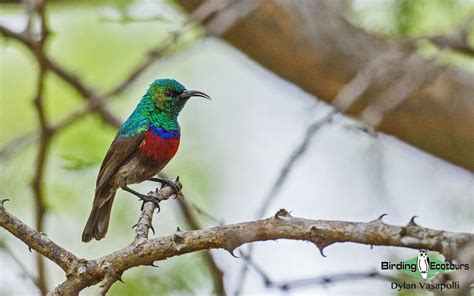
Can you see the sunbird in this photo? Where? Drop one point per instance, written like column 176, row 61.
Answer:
column 144, row 144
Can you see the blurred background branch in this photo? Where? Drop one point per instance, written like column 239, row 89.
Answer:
column 323, row 280
column 335, row 50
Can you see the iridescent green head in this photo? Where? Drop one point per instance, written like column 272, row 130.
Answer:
column 159, row 107
column 170, row 96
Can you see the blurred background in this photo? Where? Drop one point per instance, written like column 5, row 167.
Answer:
column 399, row 72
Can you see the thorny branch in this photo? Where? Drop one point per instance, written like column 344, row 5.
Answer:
column 36, row 240
column 142, row 229
column 82, row 273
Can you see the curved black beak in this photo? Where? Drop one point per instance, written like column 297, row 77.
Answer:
column 186, row 94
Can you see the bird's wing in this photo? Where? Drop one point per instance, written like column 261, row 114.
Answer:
column 119, row 152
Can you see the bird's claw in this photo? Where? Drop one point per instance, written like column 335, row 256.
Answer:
column 154, row 200
column 165, row 183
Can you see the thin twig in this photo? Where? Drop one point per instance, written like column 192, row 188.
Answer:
column 26, row 273
column 322, row 280
column 377, row 70
column 96, row 102
column 193, row 224
column 459, row 41
column 45, row 136
column 85, row 92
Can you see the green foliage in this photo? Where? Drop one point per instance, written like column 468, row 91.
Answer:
column 410, row 18
column 183, row 277
column 101, row 53
column 418, row 17
column 75, row 163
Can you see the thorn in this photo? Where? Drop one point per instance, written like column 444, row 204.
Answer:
column 380, row 218
column 3, row 201
column 152, row 229
column 412, row 221
column 29, row 249
column 282, row 213
column 321, row 251
column 136, row 224
column 231, row 251
column 177, row 179
column 120, row 279
column 42, row 233
column 178, row 229
column 153, row 265
column 371, row 247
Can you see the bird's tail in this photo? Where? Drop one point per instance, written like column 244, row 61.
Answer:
column 98, row 222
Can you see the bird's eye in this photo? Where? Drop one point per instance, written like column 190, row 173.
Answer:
column 169, row 93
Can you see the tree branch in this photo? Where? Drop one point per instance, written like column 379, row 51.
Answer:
column 36, row 240
column 144, row 223
column 322, row 233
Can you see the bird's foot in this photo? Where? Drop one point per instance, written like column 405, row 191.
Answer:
column 152, row 199
column 165, row 182
column 145, row 198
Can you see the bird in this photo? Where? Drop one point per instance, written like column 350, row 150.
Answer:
column 142, row 147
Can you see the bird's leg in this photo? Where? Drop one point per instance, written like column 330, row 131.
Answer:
column 165, row 182
column 145, row 198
